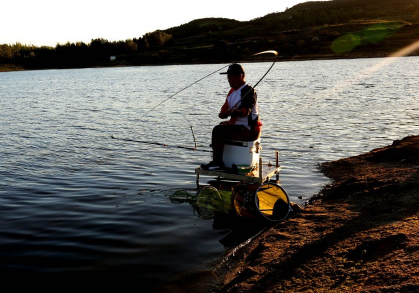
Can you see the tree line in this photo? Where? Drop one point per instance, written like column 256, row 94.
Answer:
column 79, row 54
column 216, row 40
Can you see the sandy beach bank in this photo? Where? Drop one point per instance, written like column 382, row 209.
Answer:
column 359, row 234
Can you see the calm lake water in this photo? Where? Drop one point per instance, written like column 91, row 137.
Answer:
column 78, row 205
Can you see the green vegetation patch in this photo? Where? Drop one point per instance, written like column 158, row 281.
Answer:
column 371, row 35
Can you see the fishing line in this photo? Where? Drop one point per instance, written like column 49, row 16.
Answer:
column 185, row 88
column 160, row 144
column 190, row 124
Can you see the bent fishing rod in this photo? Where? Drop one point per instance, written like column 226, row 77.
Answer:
column 260, row 53
column 193, row 134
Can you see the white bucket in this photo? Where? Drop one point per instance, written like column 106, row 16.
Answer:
column 241, row 153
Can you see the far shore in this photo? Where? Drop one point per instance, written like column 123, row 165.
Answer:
column 12, row 67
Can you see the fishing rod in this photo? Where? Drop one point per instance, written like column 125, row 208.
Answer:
column 185, row 88
column 160, row 144
column 193, row 134
column 260, row 53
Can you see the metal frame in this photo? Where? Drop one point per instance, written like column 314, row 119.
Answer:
column 263, row 173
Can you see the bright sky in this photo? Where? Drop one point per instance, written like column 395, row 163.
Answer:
column 48, row 22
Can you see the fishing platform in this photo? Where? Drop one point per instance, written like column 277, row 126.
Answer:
column 237, row 153
column 253, row 193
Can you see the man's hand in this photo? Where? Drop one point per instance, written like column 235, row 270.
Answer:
column 231, row 112
column 225, row 114
column 236, row 112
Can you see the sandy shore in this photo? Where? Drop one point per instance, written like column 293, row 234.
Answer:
column 359, row 234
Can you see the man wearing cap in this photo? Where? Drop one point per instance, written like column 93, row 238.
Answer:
column 242, row 108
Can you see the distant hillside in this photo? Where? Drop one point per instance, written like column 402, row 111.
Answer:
column 300, row 16
column 310, row 30
column 306, row 30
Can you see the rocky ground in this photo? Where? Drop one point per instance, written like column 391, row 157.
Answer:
column 360, row 234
